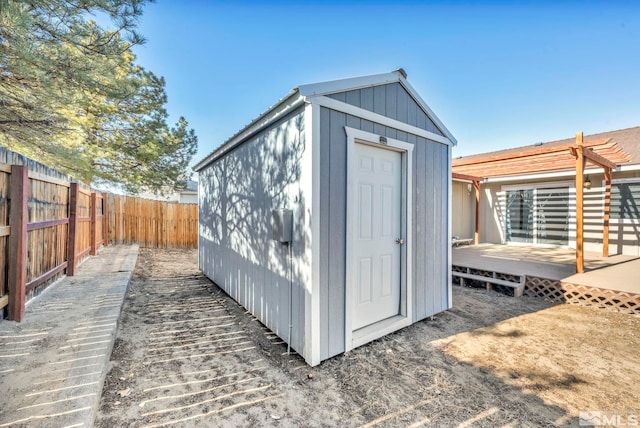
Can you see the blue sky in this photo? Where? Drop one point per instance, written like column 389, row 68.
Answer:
column 498, row 74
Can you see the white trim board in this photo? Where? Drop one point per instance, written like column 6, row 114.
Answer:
column 405, row 318
column 310, row 182
column 343, row 107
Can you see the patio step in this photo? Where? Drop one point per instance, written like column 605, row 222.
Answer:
column 518, row 287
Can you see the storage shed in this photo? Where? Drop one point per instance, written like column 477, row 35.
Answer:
column 327, row 217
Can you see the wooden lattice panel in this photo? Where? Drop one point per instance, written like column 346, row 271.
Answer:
column 548, row 289
column 583, row 295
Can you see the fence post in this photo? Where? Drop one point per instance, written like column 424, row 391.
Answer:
column 93, row 214
column 73, row 227
column 105, row 219
column 17, row 257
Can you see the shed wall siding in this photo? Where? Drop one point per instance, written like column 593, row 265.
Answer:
column 237, row 195
column 390, row 100
column 430, row 263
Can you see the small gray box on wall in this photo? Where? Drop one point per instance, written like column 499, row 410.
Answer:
column 282, row 225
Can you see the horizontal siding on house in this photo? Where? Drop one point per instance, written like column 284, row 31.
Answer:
column 624, row 238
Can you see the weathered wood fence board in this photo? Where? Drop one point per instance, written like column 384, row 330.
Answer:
column 150, row 223
column 50, row 223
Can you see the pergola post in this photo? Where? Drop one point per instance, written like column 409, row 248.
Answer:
column 580, row 163
column 607, row 212
column 476, row 236
column 583, row 155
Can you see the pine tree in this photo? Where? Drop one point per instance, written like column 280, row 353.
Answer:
column 72, row 96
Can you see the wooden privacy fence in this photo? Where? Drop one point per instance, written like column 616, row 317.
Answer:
column 150, row 223
column 49, row 223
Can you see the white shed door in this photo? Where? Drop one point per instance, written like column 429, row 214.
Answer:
column 377, row 254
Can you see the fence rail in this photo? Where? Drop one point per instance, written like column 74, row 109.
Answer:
column 49, row 223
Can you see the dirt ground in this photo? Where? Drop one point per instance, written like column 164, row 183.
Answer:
column 188, row 355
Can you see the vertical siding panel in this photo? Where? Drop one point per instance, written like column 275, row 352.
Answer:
column 325, row 173
column 421, row 119
column 366, row 98
column 353, row 122
column 353, row 97
column 379, row 129
column 337, row 231
column 392, row 100
column 403, row 105
column 379, row 100
column 366, row 125
column 340, row 96
column 412, row 112
column 430, row 126
column 390, row 132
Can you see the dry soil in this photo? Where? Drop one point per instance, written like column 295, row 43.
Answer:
column 188, row 355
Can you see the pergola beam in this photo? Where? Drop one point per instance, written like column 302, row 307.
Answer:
column 594, row 158
column 467, row 177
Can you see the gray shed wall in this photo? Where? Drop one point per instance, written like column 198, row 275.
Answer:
column 237, row 195
column 390, row 100
column 430, row 223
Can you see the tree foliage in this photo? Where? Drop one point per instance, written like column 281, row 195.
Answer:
column 72, row 96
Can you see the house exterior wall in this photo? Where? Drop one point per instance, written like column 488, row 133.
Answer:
column 624, row 237
column 188, row 198
column 463, row 207
column 431, row 181
column 238, row 192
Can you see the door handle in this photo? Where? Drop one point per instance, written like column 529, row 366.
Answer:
column 400, row 241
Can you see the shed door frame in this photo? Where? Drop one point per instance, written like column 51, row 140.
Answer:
column 379, row 329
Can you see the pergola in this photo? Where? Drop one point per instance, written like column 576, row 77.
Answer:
column 558, row 157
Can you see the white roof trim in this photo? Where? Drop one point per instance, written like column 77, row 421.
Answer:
column 324, row 88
